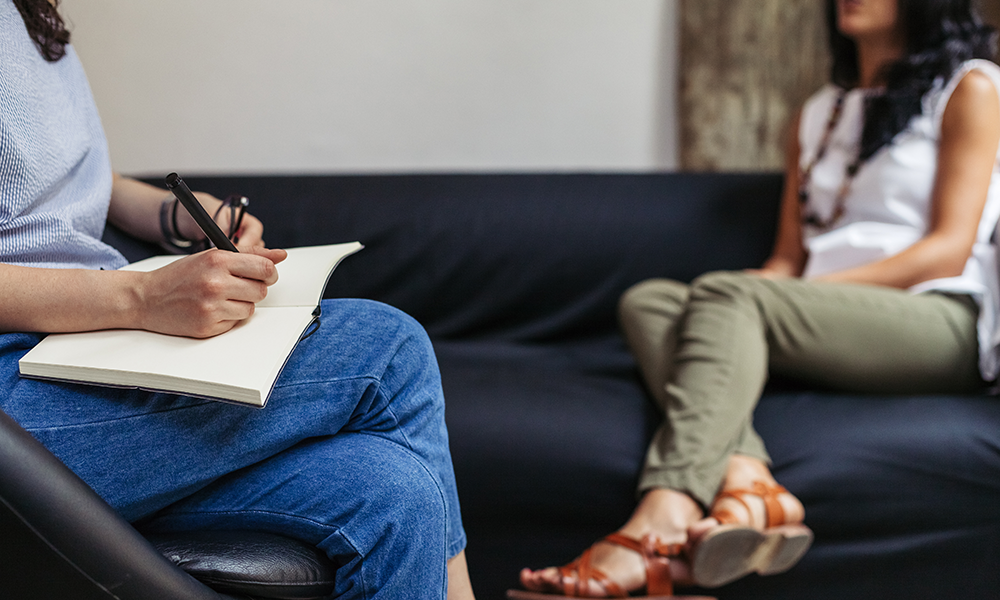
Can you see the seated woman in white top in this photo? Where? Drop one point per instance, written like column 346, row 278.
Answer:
column 883, row 279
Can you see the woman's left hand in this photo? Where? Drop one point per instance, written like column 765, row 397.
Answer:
column 136, row 209
column 249, row 235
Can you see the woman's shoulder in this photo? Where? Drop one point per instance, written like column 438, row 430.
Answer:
column 973, row 107
column 987, row 67
column 980, row 73
column 974, row 82
column 977, row 85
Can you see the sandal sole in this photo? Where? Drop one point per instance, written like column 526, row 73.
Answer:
column 725, row 554
column 731, row 552
column 790, row 543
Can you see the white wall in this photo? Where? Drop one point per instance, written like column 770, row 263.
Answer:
column 328, row 86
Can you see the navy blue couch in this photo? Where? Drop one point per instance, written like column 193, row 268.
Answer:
column 516, row 279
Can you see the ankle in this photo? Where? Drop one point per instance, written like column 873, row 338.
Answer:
column 666, row 514
column 754, row 498
column 743, row 471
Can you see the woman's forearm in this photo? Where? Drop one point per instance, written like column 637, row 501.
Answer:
column 788, row 256
column 67, row 300
column 932, row 257
column 196, row 296
column 135, row 208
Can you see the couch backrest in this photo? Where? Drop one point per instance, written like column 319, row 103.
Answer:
column 525, row 257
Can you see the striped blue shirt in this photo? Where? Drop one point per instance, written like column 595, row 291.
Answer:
column 55, row 172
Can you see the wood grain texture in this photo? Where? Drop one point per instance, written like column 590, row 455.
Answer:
column 746, row 67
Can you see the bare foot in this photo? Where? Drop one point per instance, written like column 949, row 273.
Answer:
column 737, row 538
column 664, row 514
column 741, row 474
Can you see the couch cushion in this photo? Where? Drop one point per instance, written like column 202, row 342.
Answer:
column 547, row 442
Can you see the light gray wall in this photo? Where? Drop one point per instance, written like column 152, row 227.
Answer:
column 328, row 86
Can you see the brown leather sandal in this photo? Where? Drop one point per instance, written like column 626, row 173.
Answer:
column 659, row 584
column 733, row 549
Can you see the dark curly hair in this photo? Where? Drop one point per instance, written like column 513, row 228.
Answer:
column 940, row 35
column 45, row 26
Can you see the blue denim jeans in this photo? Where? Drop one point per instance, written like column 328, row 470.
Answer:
column 350, row 453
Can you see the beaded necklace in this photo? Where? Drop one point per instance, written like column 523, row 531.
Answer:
column 805, row 175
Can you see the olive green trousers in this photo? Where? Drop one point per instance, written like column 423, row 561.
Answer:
column 705, row 351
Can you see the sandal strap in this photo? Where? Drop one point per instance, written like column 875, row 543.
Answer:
column 577, row 587
column 577, row 575
column 774, row 514
column 656, row 557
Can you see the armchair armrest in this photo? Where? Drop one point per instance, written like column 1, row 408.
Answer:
column 57, row 531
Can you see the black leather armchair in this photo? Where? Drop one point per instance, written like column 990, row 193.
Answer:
column 59, row 539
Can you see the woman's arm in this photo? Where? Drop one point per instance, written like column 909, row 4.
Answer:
column 135, row 208
column 197, row 296
column 788, row 258
column 970, row 134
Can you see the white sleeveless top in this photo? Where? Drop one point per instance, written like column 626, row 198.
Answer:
column 888, row 205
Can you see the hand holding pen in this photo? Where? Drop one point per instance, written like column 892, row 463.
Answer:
column 209, row 292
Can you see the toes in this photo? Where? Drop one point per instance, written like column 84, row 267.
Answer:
column 794, row 511
column 700, row 528
column 552, row 581
column 543, row 580
column 530, row 580
column 749, row 512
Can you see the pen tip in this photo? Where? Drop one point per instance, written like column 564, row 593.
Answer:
column 172, row 180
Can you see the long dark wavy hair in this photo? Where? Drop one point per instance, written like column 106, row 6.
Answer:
column 45, row 26
column 940, row 35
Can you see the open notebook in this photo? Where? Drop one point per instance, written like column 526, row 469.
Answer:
column 240, row 365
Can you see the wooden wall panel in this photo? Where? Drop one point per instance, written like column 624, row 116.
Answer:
column 746, row 66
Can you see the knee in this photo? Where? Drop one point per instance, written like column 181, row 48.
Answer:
column 387, row 321
column 394, row 532
column 404, row 360
column 650, row 295
column 723, row 286
column 407, row 330
column 401, row 338
column 407, row 500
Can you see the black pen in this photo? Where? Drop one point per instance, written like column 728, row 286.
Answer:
column 181, row 191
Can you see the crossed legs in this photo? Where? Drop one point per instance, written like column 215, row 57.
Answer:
column 705, row 351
